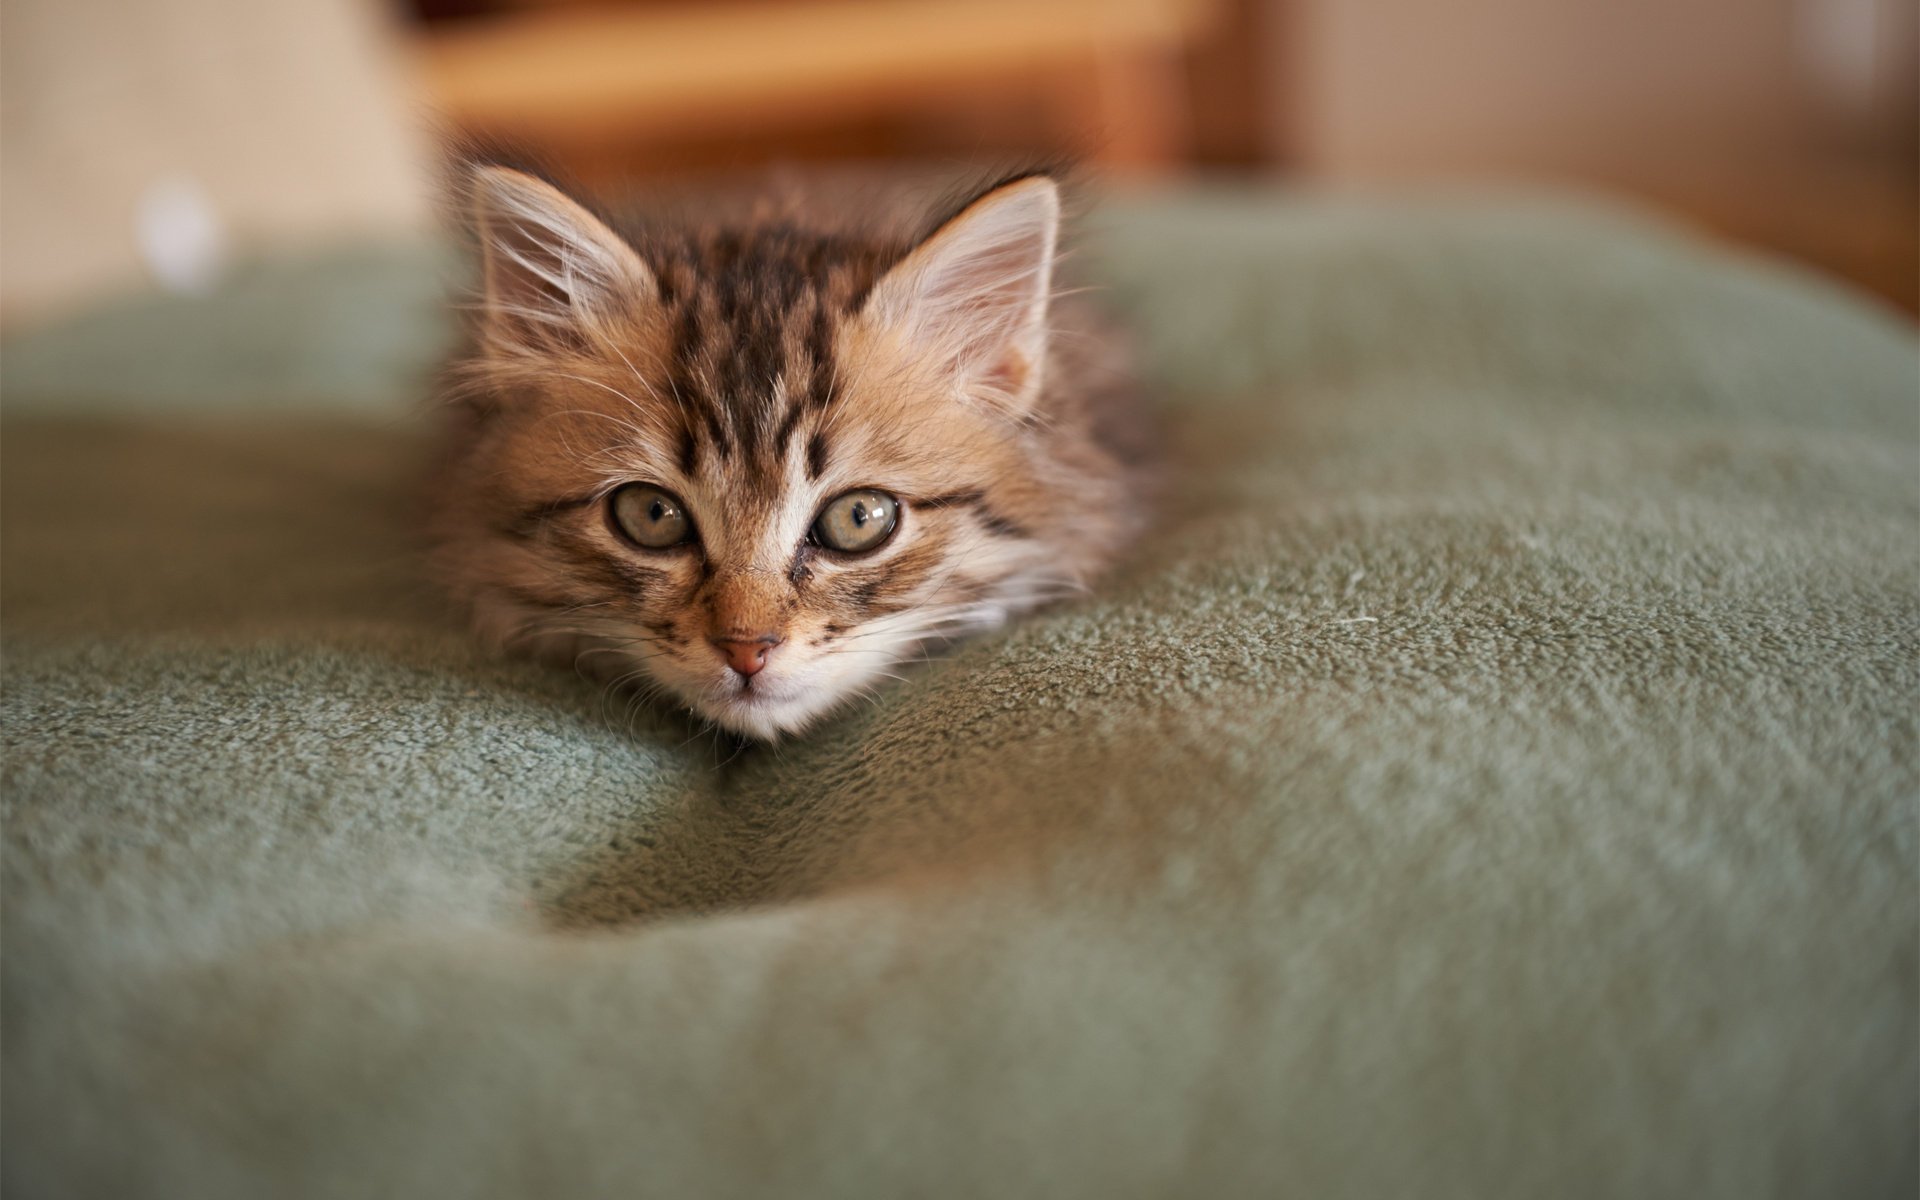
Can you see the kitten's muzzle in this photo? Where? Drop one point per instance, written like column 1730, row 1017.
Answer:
column 746, row 655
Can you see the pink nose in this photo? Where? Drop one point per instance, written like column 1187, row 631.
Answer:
column 747, row 655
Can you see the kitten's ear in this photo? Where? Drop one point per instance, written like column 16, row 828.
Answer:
column 972, row 298
column 549, row 267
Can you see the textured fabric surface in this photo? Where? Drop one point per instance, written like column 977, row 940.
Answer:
column 1496, row 776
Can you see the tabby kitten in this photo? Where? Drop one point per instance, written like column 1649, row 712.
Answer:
column 753, row 466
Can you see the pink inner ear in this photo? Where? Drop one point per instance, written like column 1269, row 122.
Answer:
column 1009, row 373
column 973, row 296
column 548, row 262
column 509, row 279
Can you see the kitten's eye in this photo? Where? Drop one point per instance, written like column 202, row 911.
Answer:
column 856, row 521
column 647, row 516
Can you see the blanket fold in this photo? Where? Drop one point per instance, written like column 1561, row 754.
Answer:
column 1494, row 776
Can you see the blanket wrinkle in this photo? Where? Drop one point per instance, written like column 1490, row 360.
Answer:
column 1496, row 774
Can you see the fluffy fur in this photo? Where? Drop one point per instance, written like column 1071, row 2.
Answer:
column 757, row 370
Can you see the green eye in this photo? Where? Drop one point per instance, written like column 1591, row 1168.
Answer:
column 647, row 516
column 855, row 522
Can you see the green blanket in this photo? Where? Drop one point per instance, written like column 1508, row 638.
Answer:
column 1495, row 776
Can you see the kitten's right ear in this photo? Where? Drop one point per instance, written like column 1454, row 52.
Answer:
column 549, row 267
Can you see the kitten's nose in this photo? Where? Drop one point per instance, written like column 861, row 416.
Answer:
column 747, row 655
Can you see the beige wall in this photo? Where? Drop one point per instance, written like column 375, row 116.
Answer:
column 288, row 119
column 1388, row 88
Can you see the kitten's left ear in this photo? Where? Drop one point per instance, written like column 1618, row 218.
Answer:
column 550, row 267
column 972, row 298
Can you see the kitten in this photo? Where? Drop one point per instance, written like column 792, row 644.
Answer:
column 754, row 465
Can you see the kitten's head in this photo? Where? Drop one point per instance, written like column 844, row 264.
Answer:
column 755, row 467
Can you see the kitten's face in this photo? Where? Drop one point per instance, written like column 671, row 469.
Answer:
column 755, row 471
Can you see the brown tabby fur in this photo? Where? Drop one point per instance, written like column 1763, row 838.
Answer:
column 757, row 369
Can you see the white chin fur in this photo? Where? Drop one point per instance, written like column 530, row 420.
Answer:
column 781, row 702
column 765, row 720
column 773, row 706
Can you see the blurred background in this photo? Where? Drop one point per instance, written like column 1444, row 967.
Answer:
column 155, row 142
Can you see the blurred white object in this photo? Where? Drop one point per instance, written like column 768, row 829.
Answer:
column 293, row 121
column 180, row 235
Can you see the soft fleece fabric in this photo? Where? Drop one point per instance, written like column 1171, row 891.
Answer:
column 1496, row 776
